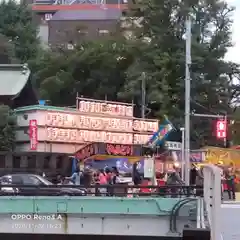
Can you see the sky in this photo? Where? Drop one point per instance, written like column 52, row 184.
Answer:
column 234, row 53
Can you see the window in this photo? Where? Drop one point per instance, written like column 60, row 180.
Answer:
column 31, row 180
column 2, row 161
column 59, row 164
column 103, row 32
column 16, row 161
column 70, row 46
column 48, row 16
column 46, row 162
column 31, row 162
column 17, row 179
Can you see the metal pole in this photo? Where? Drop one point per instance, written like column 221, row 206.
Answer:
column 207, row 115
column 143, row 90
column 225, row 139
column 182, row 153
column 187, row 100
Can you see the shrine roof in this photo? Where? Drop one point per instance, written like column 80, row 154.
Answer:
column 13, row 78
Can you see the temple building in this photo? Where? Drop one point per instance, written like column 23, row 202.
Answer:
column 48, row 137
column 16, row 88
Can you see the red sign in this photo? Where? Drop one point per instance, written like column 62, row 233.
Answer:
column 33, row 134
column 86, row 152
column 105, row 107
column 119, row 149
column 221, row 129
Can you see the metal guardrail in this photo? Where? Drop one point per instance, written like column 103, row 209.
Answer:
column 120, row 190
column 212, row 198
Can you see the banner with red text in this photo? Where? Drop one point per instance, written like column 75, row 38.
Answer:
column 33, row 134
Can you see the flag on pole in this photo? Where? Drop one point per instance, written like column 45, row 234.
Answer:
column 160, row 136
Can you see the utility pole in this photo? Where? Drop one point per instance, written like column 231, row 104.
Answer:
column 182, row 153
column 143, row 91
column 225, row 139
column 187, row 100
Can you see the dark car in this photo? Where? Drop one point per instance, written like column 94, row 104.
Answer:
column 35, row 185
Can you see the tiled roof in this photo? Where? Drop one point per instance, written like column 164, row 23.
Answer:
column 13, row 78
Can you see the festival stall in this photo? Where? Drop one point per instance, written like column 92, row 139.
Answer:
column 227, row 157
column 123, row 156
column 106, row 155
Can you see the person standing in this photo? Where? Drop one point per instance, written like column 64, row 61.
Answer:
column 230, row 181
column 76, row 177
column 175, row 180
column 136, row 177
column 193, row 175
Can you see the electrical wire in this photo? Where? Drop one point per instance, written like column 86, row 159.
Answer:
column 203, row 107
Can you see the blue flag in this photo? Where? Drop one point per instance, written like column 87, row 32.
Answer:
column 160, row 136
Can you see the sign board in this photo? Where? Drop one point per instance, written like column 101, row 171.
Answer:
column 149, row 168
column 173, row 145
column 105, row 107
column 87, row 151
column 119, row 149
column 107, row 149
column 77, row 128
column 59, row 120
column 33, row 134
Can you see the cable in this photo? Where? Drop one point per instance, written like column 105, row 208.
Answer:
column 203, row 107
column 177, row 212
column 173, row 210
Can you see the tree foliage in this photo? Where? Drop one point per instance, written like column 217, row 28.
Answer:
column 94, row 69
column 163, row 60
column 19, row 31
column 115, row 66
column 7, row 128
column 18, row 43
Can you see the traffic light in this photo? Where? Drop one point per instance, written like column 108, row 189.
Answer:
column 221, row 129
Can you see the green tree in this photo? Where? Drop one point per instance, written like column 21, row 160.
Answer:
column 234, row 127
column 94, row 69
column 7, row 128
column 16, row 24
column 163, row 60
column 7, row 53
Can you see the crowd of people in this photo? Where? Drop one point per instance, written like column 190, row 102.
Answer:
column 111, row 176
column 90, row 177
column 228, row 180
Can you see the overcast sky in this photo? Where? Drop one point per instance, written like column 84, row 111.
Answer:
column 234, row 53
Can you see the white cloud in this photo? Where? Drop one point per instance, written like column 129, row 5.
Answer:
column 234, row 53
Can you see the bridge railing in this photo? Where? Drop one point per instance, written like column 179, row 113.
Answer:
column 119, row 190
column 212, row 199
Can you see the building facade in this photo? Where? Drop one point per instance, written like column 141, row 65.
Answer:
column 66, row 22
column 47, row 137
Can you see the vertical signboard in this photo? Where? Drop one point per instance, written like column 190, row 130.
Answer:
column 33, row 134
column 149, row 168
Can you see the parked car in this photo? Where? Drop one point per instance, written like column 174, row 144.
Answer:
column 40, row 186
